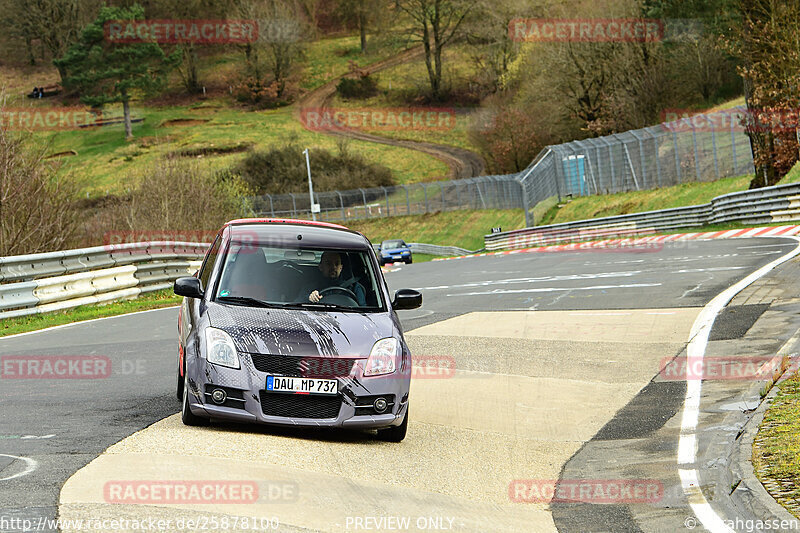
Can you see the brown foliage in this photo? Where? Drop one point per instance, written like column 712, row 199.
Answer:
column 37, row 212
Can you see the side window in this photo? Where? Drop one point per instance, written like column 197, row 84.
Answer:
column 208, row 265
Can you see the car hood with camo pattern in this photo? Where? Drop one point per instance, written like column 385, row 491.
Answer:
column 304, row 333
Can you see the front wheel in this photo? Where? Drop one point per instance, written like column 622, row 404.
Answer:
column 410, row 260
column 394, row 433
column 189, row 418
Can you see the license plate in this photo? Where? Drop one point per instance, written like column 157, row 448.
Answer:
column 302, row 385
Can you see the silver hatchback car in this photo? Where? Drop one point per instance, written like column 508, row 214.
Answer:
column 290, row 322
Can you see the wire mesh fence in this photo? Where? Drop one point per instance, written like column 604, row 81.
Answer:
column 703, row 147
column 485, row 192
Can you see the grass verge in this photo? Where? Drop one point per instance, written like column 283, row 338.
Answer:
column 155, row 300
column 607, row 205
column 776, row 453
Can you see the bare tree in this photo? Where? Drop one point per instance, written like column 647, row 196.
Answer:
column 435, row 23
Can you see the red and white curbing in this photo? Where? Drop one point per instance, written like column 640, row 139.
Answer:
column 644, row 242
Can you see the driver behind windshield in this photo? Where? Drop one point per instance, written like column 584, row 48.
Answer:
column 330, row 275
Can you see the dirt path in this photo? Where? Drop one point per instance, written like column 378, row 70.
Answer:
column 462, row 163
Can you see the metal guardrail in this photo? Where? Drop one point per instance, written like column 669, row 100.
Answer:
column 33, row 266
column 53, row 281
column 779, row 203
column 41, row 283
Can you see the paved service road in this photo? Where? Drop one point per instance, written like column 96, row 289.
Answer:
column 525, row 358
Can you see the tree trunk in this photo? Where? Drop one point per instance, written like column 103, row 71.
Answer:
column 191, row 79
column 362, row 26
column 126, row 112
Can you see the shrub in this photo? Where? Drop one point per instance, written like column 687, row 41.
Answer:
column 362, row 87
column 37, row 207
column 283, row 170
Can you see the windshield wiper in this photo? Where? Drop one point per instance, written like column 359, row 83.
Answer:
column 245, row 300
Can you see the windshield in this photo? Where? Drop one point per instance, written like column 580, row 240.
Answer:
column 393, row 244
column 267, row 276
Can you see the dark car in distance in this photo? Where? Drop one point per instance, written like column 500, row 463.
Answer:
column 394, row 251
column 291, row 323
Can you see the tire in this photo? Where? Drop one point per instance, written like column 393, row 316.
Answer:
column 394, row 433
column 410, row 260
column 188, row 418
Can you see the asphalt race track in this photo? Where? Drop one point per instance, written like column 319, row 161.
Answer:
column 534, row 367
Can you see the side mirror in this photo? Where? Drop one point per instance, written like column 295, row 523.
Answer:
column 188, row 287
column 407, row 299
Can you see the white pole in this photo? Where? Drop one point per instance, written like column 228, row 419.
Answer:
column 310, row 187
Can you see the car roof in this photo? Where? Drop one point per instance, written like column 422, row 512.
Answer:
column 291, row 233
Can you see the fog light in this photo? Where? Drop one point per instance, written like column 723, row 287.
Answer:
column 380, row 405
column 219, row 396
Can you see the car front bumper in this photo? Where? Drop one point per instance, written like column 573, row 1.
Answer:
column 204, row 377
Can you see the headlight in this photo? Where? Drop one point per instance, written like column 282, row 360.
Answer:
column 382, row 357
column 220, row 349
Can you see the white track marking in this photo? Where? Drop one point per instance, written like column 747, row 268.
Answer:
column 763, row 246
column 555, row 289
column 695, row 352
column 30, row 466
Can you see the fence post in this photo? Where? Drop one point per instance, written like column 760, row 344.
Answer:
column 528, row 217
column 271, row 206
column 386, row 194
column 408, row 203
column 733, row 147
column 696, row 155
column 341, row 203
column 641, row 159
column 611, row 163
column 677, row 157
column 364, row 197
column 658, row 159
column 425, row 188
column 294, row 205
column 441, row 188
column 714, row 148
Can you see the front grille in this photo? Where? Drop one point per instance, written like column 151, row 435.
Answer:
column 309, row 367
column 300, row 405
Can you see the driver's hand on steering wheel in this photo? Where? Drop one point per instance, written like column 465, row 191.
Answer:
column 314, row 297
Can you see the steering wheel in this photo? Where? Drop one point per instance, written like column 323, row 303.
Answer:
column 347, row 292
